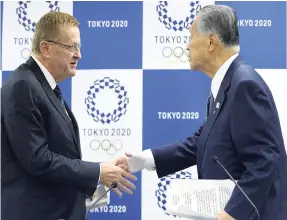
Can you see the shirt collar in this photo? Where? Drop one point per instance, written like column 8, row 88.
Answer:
column 219, row 75
column 46, row 73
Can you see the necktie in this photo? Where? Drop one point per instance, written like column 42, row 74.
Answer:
column 58, row 93
column 209, row 104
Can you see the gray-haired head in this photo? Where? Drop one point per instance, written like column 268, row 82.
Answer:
column 221, row 20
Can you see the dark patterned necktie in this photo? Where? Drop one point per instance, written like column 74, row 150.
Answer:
column 58, row 93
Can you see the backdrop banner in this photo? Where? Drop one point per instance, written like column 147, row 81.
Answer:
column 134, row 89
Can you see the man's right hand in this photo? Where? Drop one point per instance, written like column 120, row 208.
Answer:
column 111, row 173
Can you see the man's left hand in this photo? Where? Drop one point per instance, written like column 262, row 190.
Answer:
column 224, row 216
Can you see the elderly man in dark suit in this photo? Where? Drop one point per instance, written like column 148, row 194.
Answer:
column 242, row 128
column 43, row 176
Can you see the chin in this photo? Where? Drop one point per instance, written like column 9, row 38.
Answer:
column 192, row 67
column 73, row 73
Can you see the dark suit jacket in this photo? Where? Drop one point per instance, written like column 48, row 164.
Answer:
column 245, row 134
column 43, row 176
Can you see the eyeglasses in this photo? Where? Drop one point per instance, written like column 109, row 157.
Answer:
column 72, row 48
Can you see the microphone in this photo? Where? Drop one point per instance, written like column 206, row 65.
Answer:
column 94, row 202
column 216, row 160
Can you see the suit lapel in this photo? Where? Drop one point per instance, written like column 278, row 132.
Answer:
column 53, row 98
column 74, row 128
column 215, row 110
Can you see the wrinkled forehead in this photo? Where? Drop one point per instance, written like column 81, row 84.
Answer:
column 71, row 34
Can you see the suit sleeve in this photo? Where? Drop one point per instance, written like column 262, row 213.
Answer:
column 256, row 133
column 176, row 156
column 25, row 129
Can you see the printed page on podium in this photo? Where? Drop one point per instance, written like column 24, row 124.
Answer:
column 198, row 199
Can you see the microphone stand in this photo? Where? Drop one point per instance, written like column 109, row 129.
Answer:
column 94, row 202
column 216, row 160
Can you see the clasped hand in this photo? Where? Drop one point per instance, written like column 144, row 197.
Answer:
column 118, row 171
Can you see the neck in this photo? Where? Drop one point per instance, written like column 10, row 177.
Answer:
column 217, row 60
column 46, row 64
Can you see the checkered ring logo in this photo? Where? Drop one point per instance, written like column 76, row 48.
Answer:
column 170, row 24
column 119, row 108
column 23, row 17
column 164, row 183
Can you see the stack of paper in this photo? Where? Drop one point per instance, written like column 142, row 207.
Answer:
column 198, row 199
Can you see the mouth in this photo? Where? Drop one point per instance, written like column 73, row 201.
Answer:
column 73, row 63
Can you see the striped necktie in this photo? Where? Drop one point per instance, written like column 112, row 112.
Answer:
column 209, row 104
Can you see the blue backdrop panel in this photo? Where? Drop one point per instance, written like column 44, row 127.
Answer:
column 262, row 29
column 172, row 101
column 111, row 33
column 5, row 76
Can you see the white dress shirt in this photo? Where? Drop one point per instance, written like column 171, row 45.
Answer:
column 48, row 76
column 52, row 82
column 219, row 75
column 145, row 159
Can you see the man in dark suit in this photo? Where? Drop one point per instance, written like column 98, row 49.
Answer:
column 242, row 128
column 43, row 176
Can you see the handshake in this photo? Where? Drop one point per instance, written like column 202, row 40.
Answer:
column 118, row 171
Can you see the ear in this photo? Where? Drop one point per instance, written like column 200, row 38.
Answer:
column 213, row 41
column 45, row 48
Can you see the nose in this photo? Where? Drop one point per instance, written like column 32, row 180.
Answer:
column 78, row 54
column 187, row 49
column 187, row 46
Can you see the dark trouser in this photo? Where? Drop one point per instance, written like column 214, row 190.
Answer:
column 79, row 210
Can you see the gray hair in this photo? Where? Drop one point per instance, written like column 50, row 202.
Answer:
column 221, row 20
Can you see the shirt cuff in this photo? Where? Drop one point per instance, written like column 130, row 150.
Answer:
column 149, row 160
column 140, row 161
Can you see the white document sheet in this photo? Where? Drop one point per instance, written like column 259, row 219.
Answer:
column 198, row 199
column 101, row 189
